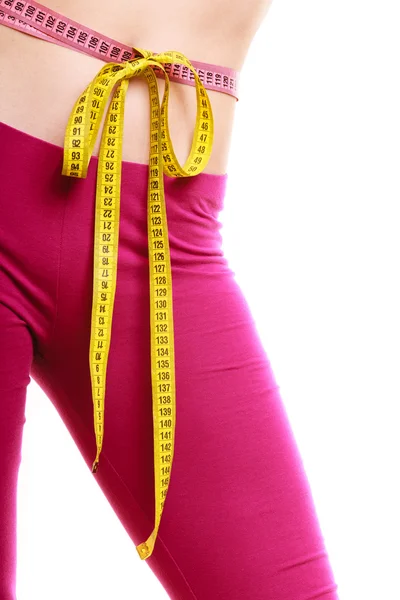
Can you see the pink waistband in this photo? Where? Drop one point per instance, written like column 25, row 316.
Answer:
column 39, row 21
column 211, row 187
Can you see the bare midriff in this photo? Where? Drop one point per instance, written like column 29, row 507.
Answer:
column 40, row 81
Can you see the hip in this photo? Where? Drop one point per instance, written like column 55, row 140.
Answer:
column 47, row 228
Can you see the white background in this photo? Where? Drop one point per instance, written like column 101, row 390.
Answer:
column 314, row 242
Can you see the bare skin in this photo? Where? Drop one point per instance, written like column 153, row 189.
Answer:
column 40, row 81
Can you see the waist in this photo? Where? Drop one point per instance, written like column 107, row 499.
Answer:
column 41, row 81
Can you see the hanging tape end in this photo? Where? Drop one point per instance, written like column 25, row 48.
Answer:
column 143, row 551
column 95, row 466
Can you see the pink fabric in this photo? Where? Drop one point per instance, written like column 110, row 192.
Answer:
column 239, row 520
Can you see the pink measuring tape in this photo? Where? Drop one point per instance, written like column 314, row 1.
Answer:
column 41, row 22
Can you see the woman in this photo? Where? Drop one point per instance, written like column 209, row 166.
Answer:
column 239, row 519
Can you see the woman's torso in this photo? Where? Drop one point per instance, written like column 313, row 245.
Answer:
column 40, row 81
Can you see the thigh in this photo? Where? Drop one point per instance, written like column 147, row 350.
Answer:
column 239, row 519
column 16, row 352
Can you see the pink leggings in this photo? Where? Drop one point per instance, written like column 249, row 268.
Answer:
column 239, row 519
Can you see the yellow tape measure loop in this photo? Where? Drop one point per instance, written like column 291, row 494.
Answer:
column 81, row 133
column 200, row 151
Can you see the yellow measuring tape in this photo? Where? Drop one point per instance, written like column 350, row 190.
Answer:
column 80, row 137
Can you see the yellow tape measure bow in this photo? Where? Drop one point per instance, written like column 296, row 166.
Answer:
column 80, row 137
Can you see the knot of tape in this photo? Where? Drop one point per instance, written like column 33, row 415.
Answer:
column 136, row 66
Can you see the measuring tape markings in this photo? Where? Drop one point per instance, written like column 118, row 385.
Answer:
column 37, row 20
column 82, row 129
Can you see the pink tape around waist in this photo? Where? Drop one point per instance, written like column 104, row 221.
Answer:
column 41, row 22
